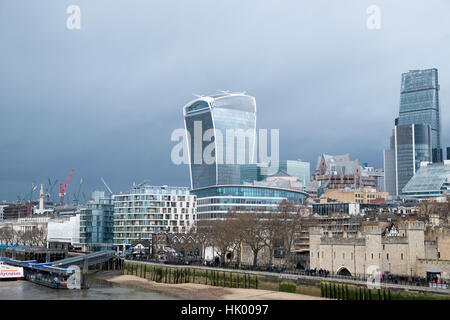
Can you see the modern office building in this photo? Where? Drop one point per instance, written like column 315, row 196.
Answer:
column 339, row 208
column 1, row 210
column 19, row 210
column 146, row 209
column 293, row 168
column 419, row 104
column 224, row 127
column 378, row 174
column 409, row 146
column 249, row 173
column 215, row 201
column 431, row 180
column 97, row 220
column 339, row 172
column 262, row 171
column 64, row 233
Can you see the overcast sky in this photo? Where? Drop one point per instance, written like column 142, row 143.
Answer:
column 104, row 100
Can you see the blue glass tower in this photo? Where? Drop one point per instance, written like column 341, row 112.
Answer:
column 419, row 104
column 223, row 126
column 410, row 145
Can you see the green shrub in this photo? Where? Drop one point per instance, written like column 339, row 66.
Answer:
column 287, row 287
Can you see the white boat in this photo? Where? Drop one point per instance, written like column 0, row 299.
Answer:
column 10, row 272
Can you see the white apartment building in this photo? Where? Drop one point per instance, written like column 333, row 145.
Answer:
column 146, row 209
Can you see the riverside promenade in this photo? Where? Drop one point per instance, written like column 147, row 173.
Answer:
column 306, row 279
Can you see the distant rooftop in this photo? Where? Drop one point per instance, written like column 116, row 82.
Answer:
column 338, row 164
column 432, row 179
column 230, row 100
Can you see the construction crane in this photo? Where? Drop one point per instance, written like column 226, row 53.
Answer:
column 62, row 189
column 50, row 188
column 33, row 187
column 106, row 185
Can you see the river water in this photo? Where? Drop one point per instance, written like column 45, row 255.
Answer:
column 98, row 290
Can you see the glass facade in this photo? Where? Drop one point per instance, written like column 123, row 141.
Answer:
column 410, row 145
column 431, row 180
column 262, row 171
column 232, row 118
column 96, row 221
column 419, row 104
column 214, row 202
column 294, row 168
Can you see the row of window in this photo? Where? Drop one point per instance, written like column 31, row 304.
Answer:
column 351, row 256
column 172, row 204
column 153, row 197
column 155, row 210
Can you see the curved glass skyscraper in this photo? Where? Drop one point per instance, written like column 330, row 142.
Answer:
column 221, row 136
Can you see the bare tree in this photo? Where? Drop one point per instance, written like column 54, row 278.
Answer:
column 204, row 236
column 290, row 220
column 223, row 236
column 272, row 233
column 252, row 233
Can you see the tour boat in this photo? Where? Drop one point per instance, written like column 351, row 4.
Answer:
column 10, row 273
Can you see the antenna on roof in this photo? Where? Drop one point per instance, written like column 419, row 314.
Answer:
column 197, row 95
column 224, row 91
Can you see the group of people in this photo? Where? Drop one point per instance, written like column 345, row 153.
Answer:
column 315, row 272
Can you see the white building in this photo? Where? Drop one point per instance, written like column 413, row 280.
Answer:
column 146, row 209
column 64, row 232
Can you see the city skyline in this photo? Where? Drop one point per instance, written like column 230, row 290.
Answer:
column 98, row 100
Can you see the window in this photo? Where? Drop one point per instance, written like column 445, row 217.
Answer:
column 372, row 256
column 387, row 256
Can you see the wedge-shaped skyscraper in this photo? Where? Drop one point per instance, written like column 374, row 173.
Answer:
column 221, row 136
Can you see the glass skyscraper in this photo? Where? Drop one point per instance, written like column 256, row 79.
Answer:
column 419, row 104
column 409, row 146
column 223, row 126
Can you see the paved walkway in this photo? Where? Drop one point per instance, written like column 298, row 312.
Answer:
column 297, row 277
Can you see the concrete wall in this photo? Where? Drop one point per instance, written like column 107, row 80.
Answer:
column 396, row 254
column 434, row 264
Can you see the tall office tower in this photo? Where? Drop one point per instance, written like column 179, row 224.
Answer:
column 410, row 145
column 419, row 104
column 221, row 127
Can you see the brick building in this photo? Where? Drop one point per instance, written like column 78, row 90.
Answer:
column 339, row 171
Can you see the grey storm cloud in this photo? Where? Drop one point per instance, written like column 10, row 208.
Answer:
column 104, row 100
